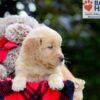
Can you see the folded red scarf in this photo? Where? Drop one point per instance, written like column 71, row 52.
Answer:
column 5, row 46
column 36, row 91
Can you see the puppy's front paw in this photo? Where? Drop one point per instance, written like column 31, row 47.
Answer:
column 18, row 84
column 79, row 83
column 78, row 95
column 56, row 84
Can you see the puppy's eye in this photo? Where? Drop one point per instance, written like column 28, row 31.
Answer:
column 50, row 47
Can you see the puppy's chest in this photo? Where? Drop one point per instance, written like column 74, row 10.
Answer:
column 38, row 74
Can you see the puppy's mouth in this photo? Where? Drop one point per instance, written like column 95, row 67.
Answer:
column 59, row 63
column 51, row 65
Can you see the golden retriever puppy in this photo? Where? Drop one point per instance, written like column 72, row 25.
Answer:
column 41, row 58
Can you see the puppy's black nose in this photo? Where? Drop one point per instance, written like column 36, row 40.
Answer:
column 61, row 58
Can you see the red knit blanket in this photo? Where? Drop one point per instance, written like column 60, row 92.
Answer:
column 36, row 91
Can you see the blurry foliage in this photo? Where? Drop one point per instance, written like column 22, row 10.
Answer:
column 81, row 38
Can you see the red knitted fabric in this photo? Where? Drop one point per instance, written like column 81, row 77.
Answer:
column 5, row 46
column 36, row 91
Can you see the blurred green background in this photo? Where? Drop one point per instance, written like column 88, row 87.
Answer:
column 81, row 38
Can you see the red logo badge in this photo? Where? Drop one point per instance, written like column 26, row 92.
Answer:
column 88, row 5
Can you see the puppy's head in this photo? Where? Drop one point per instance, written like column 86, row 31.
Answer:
column 43, row 46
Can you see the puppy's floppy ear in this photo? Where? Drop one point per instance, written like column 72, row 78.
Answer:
column 32, row 43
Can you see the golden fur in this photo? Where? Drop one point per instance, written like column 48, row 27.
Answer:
column 39, row 59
